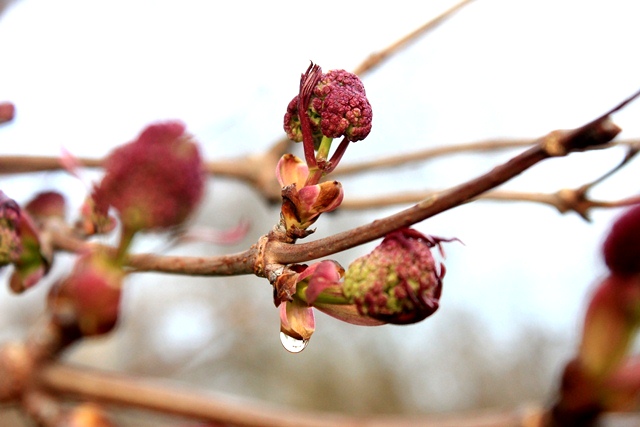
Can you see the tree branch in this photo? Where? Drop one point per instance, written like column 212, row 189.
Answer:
column 214, row 407
column 224, row 265
column 558, row 143
column 377, row 58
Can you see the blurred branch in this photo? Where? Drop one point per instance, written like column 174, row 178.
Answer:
column 167, row 398
column 377, row 58
column 565, row 200
column 62, row 238
column 254, row 169
column 429, row 153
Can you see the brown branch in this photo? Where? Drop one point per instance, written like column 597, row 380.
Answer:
column 23, row 164
column 363, row 203
column 557, row 143
column 565, row 200
column 62, row 238
column 168, row 398
column 377, row 58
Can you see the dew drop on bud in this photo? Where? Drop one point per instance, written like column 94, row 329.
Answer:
column 291, row 344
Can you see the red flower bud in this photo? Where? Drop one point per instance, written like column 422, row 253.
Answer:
column 89, row 298
column 46, row 205
column 156, row 181
column 7, row 112
column 338, row 106
column 398, row 281
column 622, row 246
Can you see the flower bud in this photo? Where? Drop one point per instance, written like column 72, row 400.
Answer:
column 320, row 285
column 7, row 112
column 89, row 298
column 94, row 219
column 397, row 282
column 337, row 106
column 10, row 245
column 291, row 170
column 301, row 208
column 622, row 246
column 20, row 246
column 156, row 181
column 297, row 319
column 611, row 321
column 48, row 204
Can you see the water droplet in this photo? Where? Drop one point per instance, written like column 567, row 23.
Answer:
column 291, row 344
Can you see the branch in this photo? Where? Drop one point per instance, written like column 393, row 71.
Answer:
column 558, row 143
column 256, row 169
column 158, row 396
column 565, row 200
column 239, row 263
column 429, row 153
column 377, row 58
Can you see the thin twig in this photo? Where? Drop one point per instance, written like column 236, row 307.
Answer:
column 377, row 58
column 564, row 201
column 430, row 153
column 168, row 398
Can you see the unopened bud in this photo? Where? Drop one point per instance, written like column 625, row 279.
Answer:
column 398, row 281
column 622, row 246
column 156, row 181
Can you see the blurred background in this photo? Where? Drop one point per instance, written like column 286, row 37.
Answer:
column 88, row 76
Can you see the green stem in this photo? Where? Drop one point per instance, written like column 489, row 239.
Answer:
column 126, row 237
column 323, row 149
column 316, row 172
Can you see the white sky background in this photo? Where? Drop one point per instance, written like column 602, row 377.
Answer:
column 90, row 75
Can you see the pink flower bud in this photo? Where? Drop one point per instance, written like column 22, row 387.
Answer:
column 297, row 319
column 47, row 204
column 89, row 298
column 301, row 208
column 156, row 181
column 622, row 246
column 398, row 281
column 7, row 112
column 291, row 170
column 320, row 285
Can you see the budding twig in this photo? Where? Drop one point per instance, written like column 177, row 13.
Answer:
column 595, row 133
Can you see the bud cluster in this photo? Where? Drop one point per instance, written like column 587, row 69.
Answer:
column 398, row 282
column 154, row 182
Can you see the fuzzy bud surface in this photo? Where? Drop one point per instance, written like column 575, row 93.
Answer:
column 397, row 282
column 338, row 106
column 156, row 181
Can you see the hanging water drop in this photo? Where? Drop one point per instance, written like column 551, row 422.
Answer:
column 291, row 344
